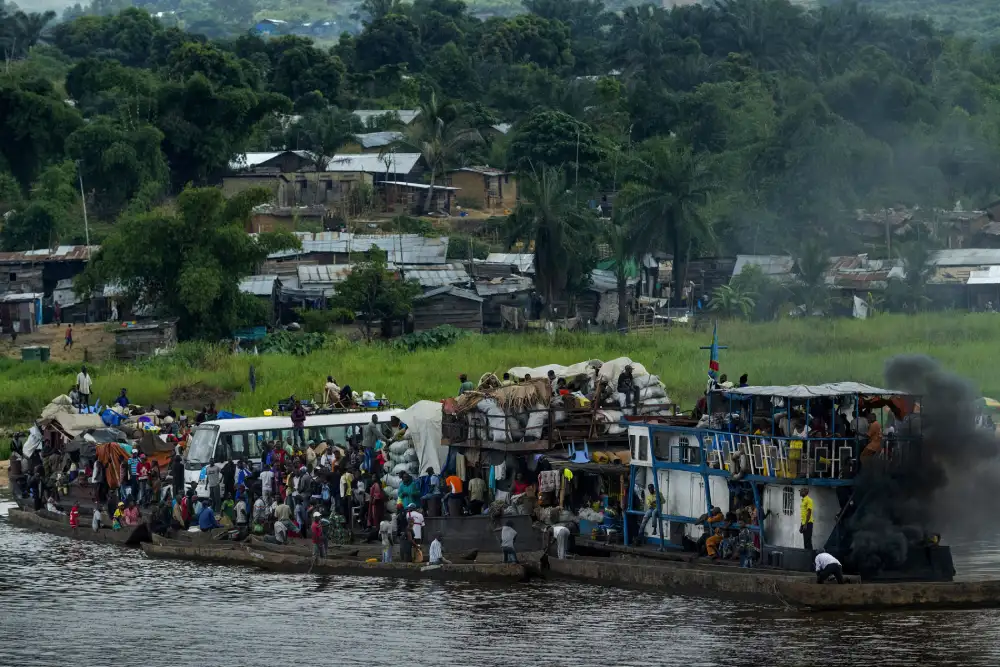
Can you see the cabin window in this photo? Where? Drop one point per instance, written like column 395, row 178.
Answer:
column 631, row 446
column 643, row 448
column 787, row 501
column 661, row 445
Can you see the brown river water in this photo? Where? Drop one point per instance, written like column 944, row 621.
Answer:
column 73, row 603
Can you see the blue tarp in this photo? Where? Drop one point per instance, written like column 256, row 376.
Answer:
column 228, row 415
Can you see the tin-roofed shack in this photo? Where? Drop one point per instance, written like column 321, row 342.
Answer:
column 145, row 339
column 460, row 308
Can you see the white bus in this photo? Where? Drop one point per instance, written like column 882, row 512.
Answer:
column 235, row 439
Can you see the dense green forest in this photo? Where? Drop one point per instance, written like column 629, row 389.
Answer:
column 744, row 126
column 977, row 19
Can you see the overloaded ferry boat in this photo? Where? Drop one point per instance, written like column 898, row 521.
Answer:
column 789, row 463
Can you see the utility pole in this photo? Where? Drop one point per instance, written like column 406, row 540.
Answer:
column 83, row 202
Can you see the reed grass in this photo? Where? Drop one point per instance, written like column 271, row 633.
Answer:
column 790, row 351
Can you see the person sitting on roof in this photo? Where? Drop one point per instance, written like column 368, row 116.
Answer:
column 506, row 382
column 625, row 384
column 465, row 385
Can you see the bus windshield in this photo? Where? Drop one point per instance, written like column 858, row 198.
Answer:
column 202, row 445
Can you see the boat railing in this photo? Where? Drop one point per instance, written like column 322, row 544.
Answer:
column 782, row 457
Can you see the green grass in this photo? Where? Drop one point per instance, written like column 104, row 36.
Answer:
column 802, row 351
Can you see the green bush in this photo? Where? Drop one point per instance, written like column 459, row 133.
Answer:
column 429, row 340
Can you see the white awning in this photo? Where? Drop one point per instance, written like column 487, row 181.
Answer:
column 816, row 390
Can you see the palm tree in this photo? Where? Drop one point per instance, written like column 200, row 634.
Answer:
column 666, row 190
column 918, row 268
column 551, row 217
column 811, row 264
column 439, row 134
column 731, row 300
column 626, row 238
column 323, row 133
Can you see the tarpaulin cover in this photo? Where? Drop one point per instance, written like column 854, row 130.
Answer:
column 111, row 455
column 610, row 370
column 423, row 420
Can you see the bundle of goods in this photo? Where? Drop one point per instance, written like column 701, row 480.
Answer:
column 522, row 412
column 401, row 457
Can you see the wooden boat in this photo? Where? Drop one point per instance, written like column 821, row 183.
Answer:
column 908, row 595
column 247, row 556
column 57, row 524
column 300, row 549
column 201, row 537
column 173, row 542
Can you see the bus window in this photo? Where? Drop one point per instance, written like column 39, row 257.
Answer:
column 237, row 448
column 202, row 447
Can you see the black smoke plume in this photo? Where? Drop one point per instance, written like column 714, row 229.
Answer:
column 936, row 480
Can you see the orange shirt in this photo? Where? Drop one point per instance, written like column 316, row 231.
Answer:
column 454, row 482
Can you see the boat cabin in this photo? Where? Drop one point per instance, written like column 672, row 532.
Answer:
column 751, row 453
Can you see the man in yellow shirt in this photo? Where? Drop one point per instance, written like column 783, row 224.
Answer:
column 806, row 518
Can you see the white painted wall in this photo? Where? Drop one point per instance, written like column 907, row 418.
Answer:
column 783, row 531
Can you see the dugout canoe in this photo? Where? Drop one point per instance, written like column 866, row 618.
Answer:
column 301, row 549
column 57, row 524
column 247, row 556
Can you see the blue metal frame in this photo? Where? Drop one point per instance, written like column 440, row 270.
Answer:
column 706, row 472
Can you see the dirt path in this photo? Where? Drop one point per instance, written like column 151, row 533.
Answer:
column 94, row 340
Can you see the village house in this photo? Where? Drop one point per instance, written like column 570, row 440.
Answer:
column 265, row 289
column 268, row 218
column 450, row 305
column 372, row 118
column 485, row 187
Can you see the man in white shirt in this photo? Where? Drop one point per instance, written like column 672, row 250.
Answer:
column 416, row 516
column 83, row 383
column 827, row 566
column 266, row 483
column 561, row 535
column 437, row 553
column 507, row 537
column 331, row 392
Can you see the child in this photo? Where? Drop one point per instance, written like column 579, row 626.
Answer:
column 74, row 516
column 119, row 517
column 95, row 523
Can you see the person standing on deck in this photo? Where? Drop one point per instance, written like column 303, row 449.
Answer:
column 465, row 384
column 827, row 566
column 874, row 435
column 371, row 434
column 806, row 517
column 416, row 520
column 651, row 513
column 477, row 495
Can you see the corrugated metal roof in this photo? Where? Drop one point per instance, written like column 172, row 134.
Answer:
column 771, row 265
column 255, row 159
column 418, row 186
column 435, row 276
column 323, row 274
column 967, row 257
column 406, row 116
column 378, row 139
column 20, row 296
column 64, row 295
column 258, row 285
column 449, row 289
column 502, row 128
column 372, row 163
column 524, row 262
column 510, row 285
column 400, row 248
column 603, row 281
column 951, row 275
column 63, row 253
column 860, row 273
column 988, row 276
column 483, row 169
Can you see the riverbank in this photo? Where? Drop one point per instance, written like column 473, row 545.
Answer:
column 799, row 351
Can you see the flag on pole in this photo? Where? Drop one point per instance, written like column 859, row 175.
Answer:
column 713, row 360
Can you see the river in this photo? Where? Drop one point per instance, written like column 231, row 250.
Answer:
column 75, row 603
